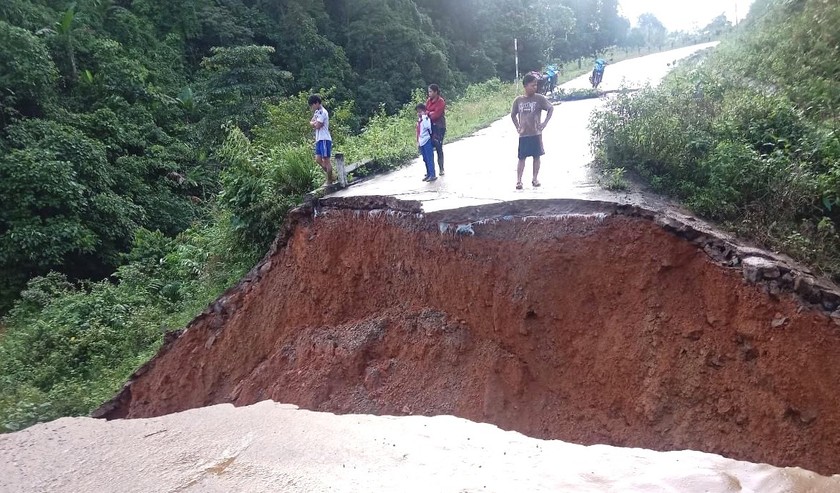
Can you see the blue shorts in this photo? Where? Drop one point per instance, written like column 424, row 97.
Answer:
column 323, row 148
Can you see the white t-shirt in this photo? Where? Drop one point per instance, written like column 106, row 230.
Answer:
column 424, row 130
column 322, row 116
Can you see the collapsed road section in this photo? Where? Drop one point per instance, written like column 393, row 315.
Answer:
column 583, row 321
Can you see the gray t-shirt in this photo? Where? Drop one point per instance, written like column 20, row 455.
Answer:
column 529, row 109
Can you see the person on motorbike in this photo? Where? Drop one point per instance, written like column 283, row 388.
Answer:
column 598, row 72
column 551, row 76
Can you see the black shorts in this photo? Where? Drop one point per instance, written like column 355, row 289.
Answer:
column 530, row 146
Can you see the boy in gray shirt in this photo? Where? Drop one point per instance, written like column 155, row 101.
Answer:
column 526, row 114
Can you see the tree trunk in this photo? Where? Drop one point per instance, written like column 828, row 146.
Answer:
column 74, row 73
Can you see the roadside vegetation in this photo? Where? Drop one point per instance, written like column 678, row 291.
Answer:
column 747, row 135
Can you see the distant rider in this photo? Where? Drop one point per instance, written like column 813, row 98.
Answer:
column 598, row 72
column 551, row 75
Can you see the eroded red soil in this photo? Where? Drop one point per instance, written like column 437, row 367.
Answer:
column 588, row 329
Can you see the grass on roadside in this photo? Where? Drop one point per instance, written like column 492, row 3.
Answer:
column 747, row 135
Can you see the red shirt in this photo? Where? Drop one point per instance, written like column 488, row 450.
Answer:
column 437, row 111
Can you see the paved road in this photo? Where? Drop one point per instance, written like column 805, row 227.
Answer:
column 481, row 169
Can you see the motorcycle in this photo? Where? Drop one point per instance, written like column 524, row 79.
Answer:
column 546, row 82
column 595, row 78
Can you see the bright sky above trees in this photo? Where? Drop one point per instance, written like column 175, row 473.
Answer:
column 685, row 15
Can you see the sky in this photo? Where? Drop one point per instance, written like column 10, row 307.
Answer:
column 685, row 15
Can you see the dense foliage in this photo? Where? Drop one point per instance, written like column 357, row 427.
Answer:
column 748, row 135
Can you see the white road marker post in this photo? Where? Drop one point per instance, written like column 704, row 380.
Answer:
column 342, row 170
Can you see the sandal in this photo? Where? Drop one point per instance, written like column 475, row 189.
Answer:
column 535, row 183
column 519, row 185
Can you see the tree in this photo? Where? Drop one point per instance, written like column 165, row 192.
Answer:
column 653, row 30
column 316, row 61
column 597, row 26
column 394, row 50
column 236, row 82
column 59, row 208
column 717, row 27
column 64, row 29
column 27, row 74
column 635, row 38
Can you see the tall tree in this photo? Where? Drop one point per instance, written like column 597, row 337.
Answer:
column 652, row 29
column 717, row 27
column 237, row 81
column 394, row 49
column 27, row 74
column 597, row 26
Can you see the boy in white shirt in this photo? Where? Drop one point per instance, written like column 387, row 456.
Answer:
column 323, row 140
column 424, row 142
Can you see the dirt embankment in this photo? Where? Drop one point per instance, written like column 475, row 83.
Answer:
column 604, row 326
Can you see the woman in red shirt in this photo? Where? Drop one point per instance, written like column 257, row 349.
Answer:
column 436, row 109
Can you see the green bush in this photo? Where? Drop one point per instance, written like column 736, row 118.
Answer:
column 741, row 135
column 69, row 347
column 61, row 339
column 561, row 94
column 260, row 185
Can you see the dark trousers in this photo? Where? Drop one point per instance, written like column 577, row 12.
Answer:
column 438, row 134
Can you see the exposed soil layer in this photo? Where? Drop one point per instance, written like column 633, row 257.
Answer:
column 587, row 323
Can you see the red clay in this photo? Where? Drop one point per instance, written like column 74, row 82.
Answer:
column 587, row 329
